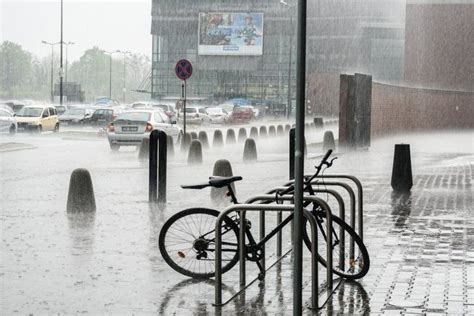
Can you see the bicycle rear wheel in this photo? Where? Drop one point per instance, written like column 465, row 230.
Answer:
column 345, row 265
column 187, row 242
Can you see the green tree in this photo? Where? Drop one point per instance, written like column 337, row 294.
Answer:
column 16, row 70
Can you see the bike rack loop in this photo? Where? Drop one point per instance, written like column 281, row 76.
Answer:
column 243, row 208
column 273, row 198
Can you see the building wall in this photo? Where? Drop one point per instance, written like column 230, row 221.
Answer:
column 439, row 44
column 397, row 109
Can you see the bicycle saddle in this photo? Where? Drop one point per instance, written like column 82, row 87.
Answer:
column 216, row 182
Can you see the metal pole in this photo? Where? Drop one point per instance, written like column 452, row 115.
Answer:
column 184, row 109
column 61, row 60
column 288, row 111
column 52, row 71
column 124, row 75
column 299, row 157
column 110, row 77
column 65, row 72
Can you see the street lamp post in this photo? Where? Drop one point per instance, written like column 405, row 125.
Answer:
column 125, row 53
column 110, row 70
column 61, row 73
column 52, row 69
column 288, row 109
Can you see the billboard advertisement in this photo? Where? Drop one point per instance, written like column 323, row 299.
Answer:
column 230, row 33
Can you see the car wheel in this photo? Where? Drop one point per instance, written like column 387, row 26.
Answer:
column 114, row 147
column 56, row 128
column 12, row 130
column 39, row 129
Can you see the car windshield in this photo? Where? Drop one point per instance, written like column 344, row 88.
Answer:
column 134, row 116
column 214, row 111
column 191, row 110
column 30, row 112
column 75, row 112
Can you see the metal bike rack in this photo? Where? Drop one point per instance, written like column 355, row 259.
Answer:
column 243, row 208
column 289, row 198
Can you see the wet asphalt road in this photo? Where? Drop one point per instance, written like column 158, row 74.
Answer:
column 420, row 245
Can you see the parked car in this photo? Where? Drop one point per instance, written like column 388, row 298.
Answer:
column 242, row 114
column 61, row 108
column 217, row 115
column 103, row 116
column 130, row 128
column 141, row 105
column 7, row 122
column 15, row 105
column 38, row 118
column 197, row 115
column 76, row 116
column 7, row 108
column 168, row 109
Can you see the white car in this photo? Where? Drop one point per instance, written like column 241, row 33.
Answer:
column 217, row 115
column 130, row 128
column 7, row 122
column 197, row 115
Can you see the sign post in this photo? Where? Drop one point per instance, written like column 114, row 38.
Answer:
column 183, row 70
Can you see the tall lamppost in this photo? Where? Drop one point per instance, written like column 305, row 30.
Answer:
column 125, row 53
column 110, row 70
column 67, row 45
column 61, row 71
column 52, row 63
column 285, row 4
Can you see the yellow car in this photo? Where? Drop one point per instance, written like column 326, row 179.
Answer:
column 38, row 118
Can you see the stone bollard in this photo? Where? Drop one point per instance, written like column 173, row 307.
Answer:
column 230, row 137
column 253, row 132
column 402, row 180
column 81, row 192
column 144, row 151
column 242, row 135
column 203, row 139
column 287, row 129
column 263, row 131
column 195, row 153
column 222, row 168
column 328, row 142
column 169, row 145
column 217, row 140
column 194, row 135
column 271, row 131
column 280, row 130
column 318, row 122
column 185, row 141
column 250, row 150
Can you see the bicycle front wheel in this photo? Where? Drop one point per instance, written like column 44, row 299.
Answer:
column 187, row 242
column 350, row 257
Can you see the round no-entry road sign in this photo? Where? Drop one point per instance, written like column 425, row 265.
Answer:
column 183, row 69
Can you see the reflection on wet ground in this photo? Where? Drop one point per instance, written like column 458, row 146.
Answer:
column 421, row 243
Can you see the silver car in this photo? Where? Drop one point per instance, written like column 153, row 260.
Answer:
column 7, row 122
column 197, row 115
column 130, row 128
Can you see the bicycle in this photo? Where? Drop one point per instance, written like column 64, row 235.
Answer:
column 186, row 240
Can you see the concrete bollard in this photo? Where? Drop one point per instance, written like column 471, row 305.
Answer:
column 185, row 142
column 250, row 150
column 253, row 132
column 318, row 122
column 242, row 135
column 222, row 168
column 157, row 167
column 194, row 135
column 328, row 141
column 203, row 139
column 195, row 153
column 169, row 145
column 217, row 140
column 144, row 151
column 230, row 137
column 280, row 130
column 81, row 192
column 287, row 129
column 402, row 180
column 271, row 131
column 263, row 132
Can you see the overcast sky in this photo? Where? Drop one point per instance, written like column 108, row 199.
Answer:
column 109, row 24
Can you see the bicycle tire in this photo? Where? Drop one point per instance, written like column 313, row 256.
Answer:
column 184, row 256
column 357, row 266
